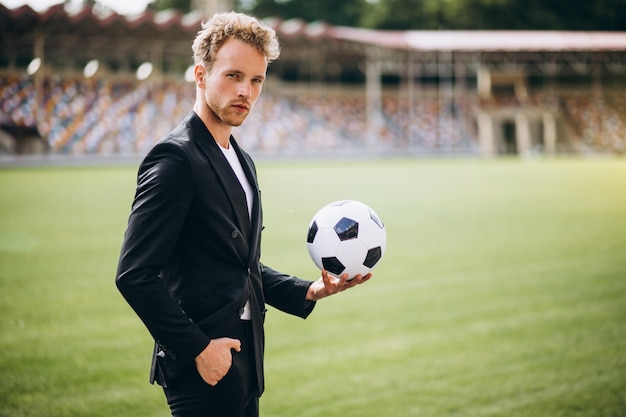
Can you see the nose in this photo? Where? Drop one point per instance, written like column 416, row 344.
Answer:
column 245, row 90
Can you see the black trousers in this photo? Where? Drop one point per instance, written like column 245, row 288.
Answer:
column 236, row 395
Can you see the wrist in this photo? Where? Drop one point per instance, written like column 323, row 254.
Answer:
column 311, row 294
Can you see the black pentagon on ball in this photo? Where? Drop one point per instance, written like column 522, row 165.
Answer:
column 373, row 256
column 333, row 265
column 347, row 229
column 312, row 232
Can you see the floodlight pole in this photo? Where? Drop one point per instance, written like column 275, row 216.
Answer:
column 38, row 79
column 373, row 95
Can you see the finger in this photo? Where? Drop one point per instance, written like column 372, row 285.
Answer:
column 357, row 280
column 326, row 279
column 342, row 281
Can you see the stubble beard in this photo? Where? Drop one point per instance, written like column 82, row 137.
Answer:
column 225, row 114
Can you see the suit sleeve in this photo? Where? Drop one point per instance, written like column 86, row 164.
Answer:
column 163, row 195
column 286, row 292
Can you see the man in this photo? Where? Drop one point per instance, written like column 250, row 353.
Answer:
column 190, row 261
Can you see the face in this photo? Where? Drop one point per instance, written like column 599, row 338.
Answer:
column 234, row 83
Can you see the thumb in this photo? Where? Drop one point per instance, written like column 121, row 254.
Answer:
column 235, row 344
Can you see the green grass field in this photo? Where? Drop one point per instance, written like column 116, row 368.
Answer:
column 502, row 293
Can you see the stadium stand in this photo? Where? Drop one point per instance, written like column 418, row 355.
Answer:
column 334, row 89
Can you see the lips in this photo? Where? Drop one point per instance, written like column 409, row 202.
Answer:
column 241, row 107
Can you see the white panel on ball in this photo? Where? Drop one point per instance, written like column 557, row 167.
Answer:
column 346, row 237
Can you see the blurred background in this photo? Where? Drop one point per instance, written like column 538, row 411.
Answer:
column 502, row 290
column 410, row 77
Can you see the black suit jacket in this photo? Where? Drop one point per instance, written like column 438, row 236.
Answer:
column 191, row 253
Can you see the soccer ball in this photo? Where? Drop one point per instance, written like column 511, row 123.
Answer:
column 346, row 237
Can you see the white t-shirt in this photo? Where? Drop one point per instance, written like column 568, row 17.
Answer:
column 235, row 164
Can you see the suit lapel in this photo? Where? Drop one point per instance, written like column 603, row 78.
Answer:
column 256, row 217
column 224, row 172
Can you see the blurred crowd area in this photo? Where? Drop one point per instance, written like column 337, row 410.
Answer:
column 105, row 117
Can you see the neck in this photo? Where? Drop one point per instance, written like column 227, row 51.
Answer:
column 219, row 130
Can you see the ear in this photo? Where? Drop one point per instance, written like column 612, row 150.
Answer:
column 200, row 74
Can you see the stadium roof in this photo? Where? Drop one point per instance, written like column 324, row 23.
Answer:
column 463, row 40
column 173, row 24
column 73, row 36
column 24, row 18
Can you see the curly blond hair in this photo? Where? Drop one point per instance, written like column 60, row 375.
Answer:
column 232, row 25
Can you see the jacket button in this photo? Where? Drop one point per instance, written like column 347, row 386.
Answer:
column 234, row 234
